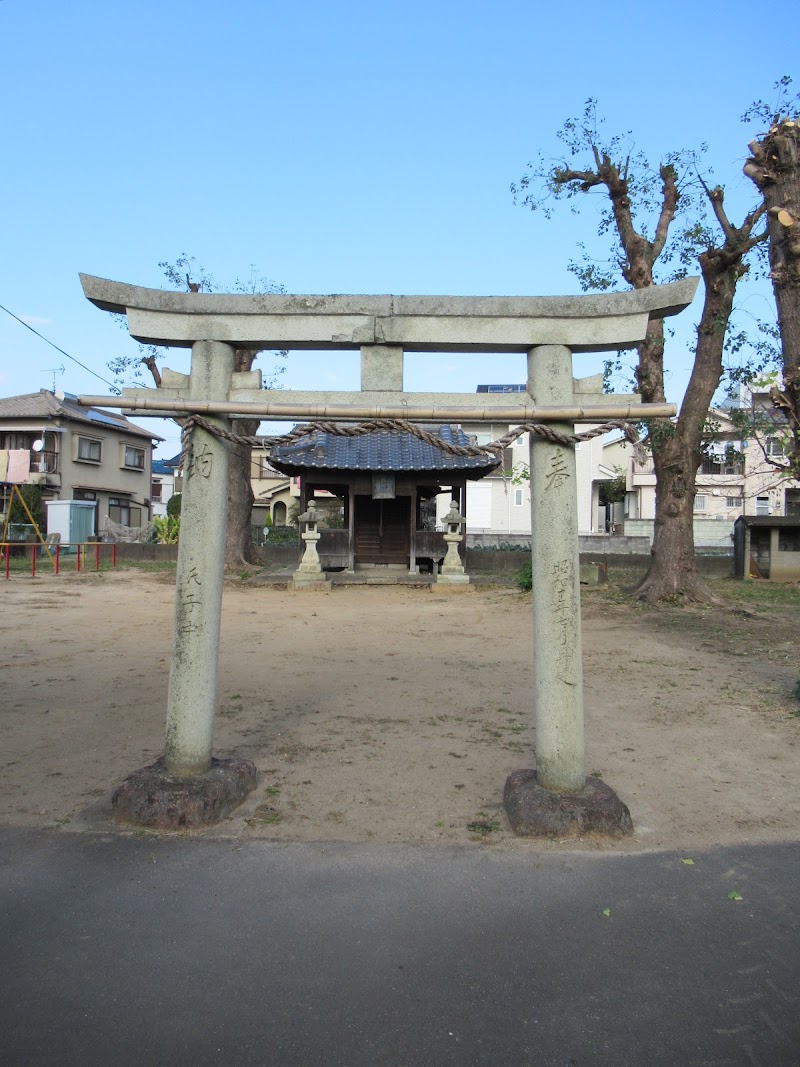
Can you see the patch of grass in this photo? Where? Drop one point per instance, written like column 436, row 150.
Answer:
column 755, row 593
column 158, row 566
column 266, row 815
column 272, row 791
column 483, row 825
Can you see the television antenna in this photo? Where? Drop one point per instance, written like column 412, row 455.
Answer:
column 54, row 371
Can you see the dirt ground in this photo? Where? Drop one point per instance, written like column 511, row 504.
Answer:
column 389, row 714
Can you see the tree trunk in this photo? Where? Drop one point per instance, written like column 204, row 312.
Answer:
column 677, row 450
column 239, row 550
column 775, row 168
column 673, row 569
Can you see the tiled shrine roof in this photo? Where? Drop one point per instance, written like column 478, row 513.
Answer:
column 380, row 451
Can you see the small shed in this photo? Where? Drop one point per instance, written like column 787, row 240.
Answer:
column 767, row 546
column 386, row 484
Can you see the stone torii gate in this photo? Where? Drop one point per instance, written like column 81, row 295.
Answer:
column 188, row 787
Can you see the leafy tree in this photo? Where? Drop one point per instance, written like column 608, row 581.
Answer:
column 184, row 273
column 774, row 167
column 612, row 491
column 167, row 529
column 174, row 505
column 33, row 497
column 660, row 222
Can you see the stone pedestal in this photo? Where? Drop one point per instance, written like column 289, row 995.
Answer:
column 306, row 582
column 452, row 572
column 537, row 812
column 155, row 798
column 309, row 574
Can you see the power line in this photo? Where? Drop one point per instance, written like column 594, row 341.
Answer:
column 55, row 346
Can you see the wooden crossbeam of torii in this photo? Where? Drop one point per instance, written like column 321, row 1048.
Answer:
column 547, row 329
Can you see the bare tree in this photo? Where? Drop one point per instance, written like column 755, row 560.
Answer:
column 185, row 274
column 658, row 218
column 774, row 167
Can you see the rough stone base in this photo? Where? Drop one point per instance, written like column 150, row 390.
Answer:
column 151, row 797
column 443, row 578
column 319, row 583
column 537, row 812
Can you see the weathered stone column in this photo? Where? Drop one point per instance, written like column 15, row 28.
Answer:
column 192, row 697
column 187, row 788
column 557, row 800
column 558, row 669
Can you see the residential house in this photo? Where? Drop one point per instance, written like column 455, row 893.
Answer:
column 499, row 505
column 768, row 491
column 274, row 493
column 735, row 477
column 79, row 453
column 165, row 483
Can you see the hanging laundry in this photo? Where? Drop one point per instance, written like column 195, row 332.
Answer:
column 19, row 465
column 3, row 464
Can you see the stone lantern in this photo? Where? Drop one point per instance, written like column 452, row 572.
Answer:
column 452, row 571
column 309, row 573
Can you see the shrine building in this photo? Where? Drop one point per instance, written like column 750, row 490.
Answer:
column 381, row 489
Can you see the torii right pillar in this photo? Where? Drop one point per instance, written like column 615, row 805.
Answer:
column 557, row 799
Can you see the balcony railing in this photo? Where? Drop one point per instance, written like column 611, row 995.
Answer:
column 44, row 462
column 714, row 466
column 644, row 466
column 708, row 466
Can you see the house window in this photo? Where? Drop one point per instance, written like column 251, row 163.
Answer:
column 733, row 501
column 155, row 492
column 123, row 512
column 17, row 440
column 518, row 501
column 521, row 442
column 84, row 494
column 774, row 447
column 632, row 505
column 134, row 457
column 789, row 540
column 700, row 502
column 90, row 450
column 762, row 505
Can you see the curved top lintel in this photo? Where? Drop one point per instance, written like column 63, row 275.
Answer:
column 657, row 301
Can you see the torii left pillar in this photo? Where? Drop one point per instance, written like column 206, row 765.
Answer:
column 187, row 787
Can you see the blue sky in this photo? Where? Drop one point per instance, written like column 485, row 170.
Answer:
column 364, row 148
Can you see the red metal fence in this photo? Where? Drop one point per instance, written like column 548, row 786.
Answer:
column 85, row 553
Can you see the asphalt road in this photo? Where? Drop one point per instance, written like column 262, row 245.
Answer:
column 151, row 951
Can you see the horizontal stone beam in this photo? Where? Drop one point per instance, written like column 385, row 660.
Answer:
column 416, row 323
column 160, row 406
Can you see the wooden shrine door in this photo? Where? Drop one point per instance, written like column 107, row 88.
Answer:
column 382, row 530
